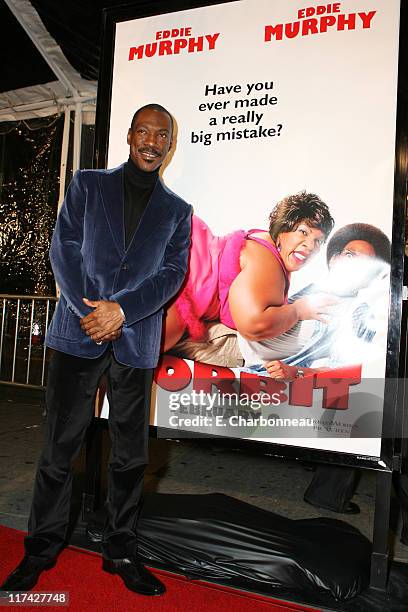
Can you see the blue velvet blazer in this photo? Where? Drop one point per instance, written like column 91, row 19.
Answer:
column 89, row 259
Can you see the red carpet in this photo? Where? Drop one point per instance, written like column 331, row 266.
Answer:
column 79, row 573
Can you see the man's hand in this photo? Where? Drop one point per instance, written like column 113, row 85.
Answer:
column 112, row 336
column 103, row 321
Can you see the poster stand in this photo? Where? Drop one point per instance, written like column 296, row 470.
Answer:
column 397, row 330
column 393, row 444
column 380, row 553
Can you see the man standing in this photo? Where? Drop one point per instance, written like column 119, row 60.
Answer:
column 119, row 253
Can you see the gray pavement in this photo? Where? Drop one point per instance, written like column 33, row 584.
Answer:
column 175, row 467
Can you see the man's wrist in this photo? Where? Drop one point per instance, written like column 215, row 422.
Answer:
column 121, row 312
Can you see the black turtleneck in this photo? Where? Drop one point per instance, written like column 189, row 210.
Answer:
column 138, row 186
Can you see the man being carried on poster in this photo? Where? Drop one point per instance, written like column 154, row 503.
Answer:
column 358, row 256
column 119, row 253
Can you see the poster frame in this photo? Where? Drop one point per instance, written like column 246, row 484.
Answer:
column 393, row 407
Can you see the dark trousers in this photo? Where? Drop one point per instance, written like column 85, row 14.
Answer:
column 71, row 390
column 332, row 487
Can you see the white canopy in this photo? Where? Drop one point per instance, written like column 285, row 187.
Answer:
column 69, row 91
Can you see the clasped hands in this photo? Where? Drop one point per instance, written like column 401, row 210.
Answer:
column 104, row 323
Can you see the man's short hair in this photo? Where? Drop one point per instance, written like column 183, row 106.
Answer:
column 360, row 231
column 155, row 107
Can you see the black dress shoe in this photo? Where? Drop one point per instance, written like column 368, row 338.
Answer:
column 26, row 575
column 351, row 508
column 94, row 532
column 135, row 576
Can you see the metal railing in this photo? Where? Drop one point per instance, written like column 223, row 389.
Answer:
column 23, row 354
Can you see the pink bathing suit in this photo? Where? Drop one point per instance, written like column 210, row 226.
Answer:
column 213, row 265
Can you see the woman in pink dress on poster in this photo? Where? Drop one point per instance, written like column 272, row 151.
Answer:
column 242, row 279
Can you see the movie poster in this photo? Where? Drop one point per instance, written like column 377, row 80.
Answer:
column 275, row 103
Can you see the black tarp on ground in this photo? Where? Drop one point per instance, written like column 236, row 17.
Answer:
column 216, row 537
